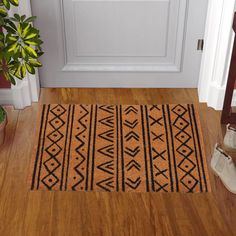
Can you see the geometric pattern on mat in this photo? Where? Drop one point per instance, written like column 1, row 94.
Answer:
column 139, row 148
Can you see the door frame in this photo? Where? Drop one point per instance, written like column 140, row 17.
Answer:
column 214, row 66
column 219, row 38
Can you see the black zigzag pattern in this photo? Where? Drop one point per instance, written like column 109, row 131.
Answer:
column 81, row 157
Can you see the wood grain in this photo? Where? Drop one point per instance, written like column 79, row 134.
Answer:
column 78, row 213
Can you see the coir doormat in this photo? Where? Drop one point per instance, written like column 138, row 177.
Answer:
column 125, row 148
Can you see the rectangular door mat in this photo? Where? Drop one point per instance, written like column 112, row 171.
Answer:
column 120, row 148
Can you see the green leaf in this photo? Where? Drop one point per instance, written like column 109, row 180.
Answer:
column 22, row 71
column 5, row 55
column 17, row 17
column 22, row 18
column 3, row 12
column 30, row 51
column 17, row 51
column 6, row 76
column 18, row 71
column 2, row 114
column 13, row 19
column 1, row 21
column 9, row 29
column 32, row 33
column 14, row 66
column 35, row 63
column 12, row 79
column 26, row 30
column 6, row 4
column 24, row 55
column 11, row 39
column 11, row 24
column 18, row 76
column 12, row 47
column 1, row 36
column 30, row 68
column 14, row 2
column 19, row 29
column 34, row 42
column 2, row 55
column 40, row 53
column 30, row 19
column 30, row 36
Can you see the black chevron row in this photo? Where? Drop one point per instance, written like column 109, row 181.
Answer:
column 132, row 152
column 108, row 121
column 131, row 124
column 134, row 184
column 108, row 109
column 107, row 150
column 81, row 158
column 106, row 184
column 133, row 165
column 131, row 109
column 108, row 135
column 132, row 148
column 131, row 135
column 107, row 166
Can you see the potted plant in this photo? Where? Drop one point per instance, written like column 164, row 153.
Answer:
column 20, row 48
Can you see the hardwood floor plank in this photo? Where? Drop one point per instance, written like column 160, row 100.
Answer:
column 14, row 191
column 23, row 212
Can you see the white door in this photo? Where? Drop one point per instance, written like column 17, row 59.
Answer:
column 120, row 43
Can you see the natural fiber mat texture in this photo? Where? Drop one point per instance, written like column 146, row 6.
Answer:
column 138, row 148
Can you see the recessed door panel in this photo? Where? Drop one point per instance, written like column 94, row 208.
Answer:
column 132, row 43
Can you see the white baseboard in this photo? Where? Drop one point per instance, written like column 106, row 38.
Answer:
column 216, row 97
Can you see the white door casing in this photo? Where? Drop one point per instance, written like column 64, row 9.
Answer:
column 120, row 43
column 216, row 58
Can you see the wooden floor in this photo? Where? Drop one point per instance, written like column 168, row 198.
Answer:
column 78, row 213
